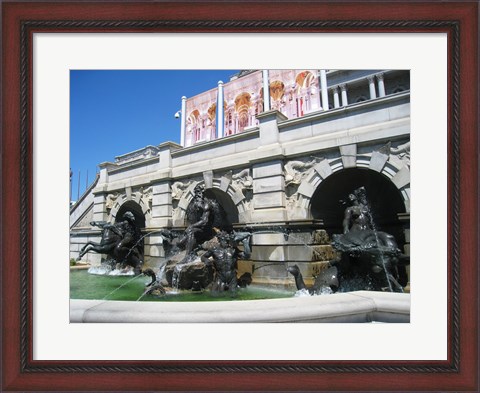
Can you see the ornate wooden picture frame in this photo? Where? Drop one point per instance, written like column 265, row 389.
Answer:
column 459, row 20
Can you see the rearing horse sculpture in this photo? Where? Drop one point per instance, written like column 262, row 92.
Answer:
column 120, row 245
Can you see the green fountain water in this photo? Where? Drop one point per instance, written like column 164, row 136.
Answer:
column 96, row 287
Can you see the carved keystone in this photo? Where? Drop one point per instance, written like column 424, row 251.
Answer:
column 323, row 169
column 378, row 161
column 349, row 155
column 208, row 179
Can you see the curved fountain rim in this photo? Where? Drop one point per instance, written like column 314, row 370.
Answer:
column 349, row 307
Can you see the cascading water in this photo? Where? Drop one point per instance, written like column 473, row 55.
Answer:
column 377, row 240
column 176, row 279
column 121, row 286
column 106, row 269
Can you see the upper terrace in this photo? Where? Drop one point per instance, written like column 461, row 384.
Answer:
column 294, row 93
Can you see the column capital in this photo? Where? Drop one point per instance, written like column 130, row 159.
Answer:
column 371, row 78
column 343, row 86
column 381, row 84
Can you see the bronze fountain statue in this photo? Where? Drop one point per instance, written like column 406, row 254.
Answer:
column 368, row 259
column 121, row 242
column 206, row 255
column 365, row 251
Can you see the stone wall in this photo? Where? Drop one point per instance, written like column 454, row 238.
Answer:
column 269, row 174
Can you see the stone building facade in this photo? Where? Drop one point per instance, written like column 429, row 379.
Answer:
column 282, row 172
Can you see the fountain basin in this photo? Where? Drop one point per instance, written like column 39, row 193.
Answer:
column 351, row 307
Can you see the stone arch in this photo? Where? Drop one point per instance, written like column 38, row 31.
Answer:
column 235, row 193
column 140, row 205
column 135, row 208
column 219, row 186
column 329, row 200
column 398, row 175
column 224, row 200
column 138, row 213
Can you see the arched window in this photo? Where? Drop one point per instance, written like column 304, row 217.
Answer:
column 242, row 108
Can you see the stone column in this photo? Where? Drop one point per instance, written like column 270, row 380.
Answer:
column 268, row 178
column 161, row 205
column 103, row 179
column 336, row 100
column 371, row 86
column 343, row 88
column 99, row 209
column 161, row 217
column 266, row 91
column 324, row 89
column 161, row 194
column 268, row 192
column 268, row 123
column 220, row 117
column 381, row 85
column 183, row 121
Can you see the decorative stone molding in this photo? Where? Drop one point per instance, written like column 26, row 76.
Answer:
column 110, row 201
column 148, row 197
column 146, row 152
column 296, row 170
column 298, row 204
column 243, row 179
column 178, row 188
column 401, row 153
column 119, row 201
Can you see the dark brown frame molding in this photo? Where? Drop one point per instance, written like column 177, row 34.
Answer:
column 22, row 19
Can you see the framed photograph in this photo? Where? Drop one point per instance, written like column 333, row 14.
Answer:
column 48, row 47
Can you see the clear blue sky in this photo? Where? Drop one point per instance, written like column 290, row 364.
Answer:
column 116, row 112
